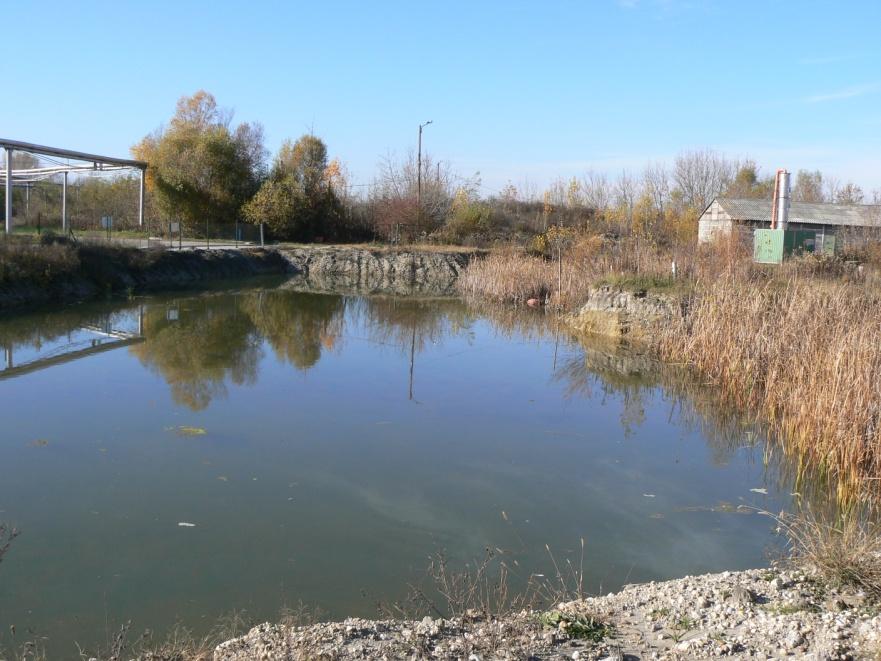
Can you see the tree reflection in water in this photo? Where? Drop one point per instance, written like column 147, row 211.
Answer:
column 297, row 326
column 208, row 341
column 215, row 338
column 201, row 343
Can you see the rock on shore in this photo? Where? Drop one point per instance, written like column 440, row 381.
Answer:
column 750, row 614
column 366, row 271
column 618, row 313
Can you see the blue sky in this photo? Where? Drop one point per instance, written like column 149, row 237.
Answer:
column 517, row 90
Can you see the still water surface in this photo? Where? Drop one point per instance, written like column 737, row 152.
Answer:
column 345, row 441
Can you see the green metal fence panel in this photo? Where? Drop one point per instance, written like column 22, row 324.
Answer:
column 768, row 246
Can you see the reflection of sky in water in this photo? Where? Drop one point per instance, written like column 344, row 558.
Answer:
column 319, row 478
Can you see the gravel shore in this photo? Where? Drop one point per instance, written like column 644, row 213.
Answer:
column 766, row 613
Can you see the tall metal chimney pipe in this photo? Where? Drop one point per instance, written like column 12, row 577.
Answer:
column 783, row 198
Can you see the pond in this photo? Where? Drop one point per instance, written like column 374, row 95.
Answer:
column 171, row 458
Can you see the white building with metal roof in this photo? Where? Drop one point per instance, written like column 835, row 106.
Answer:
column 726, row 215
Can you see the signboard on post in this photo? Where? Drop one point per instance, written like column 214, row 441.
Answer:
column 174, row 228
column 107, row 224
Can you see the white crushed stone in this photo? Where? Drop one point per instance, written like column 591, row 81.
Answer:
column 761, row 614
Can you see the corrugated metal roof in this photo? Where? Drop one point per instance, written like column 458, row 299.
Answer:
column 857, row 215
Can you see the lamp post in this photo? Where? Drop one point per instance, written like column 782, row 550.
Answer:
column 419, row 179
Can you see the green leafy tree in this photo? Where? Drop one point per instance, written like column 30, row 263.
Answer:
column 298, row 200
column 199, row 167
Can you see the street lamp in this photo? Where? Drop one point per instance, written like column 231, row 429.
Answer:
column 419, row 179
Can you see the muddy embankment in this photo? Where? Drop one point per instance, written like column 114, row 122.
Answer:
column 97, row 272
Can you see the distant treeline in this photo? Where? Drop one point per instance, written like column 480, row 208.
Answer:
column 205, row 171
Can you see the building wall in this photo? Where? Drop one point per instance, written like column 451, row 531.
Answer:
column 713, row 222
column 708, row 229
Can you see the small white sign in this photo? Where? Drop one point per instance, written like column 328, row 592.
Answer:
column 106, row 222
column 175, row 227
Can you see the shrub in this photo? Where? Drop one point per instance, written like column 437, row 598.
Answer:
column 468, row 219
column 26, row 261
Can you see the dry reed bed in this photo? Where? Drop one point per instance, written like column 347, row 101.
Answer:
column 804, row 354
column 509, row 278
column 799, row 346
column 514, row 277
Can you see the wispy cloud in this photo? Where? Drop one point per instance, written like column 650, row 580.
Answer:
column 846, row 93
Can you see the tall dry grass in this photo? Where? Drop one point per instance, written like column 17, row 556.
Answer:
column 845, row 551
column 796, row 345
column 509, row 277
column 564, row 279
column 805, row 354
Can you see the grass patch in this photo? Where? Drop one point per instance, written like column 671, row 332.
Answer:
column 846, row 553
column 790, row 609
column 681, row 627
column 647, row 283
column 576, row 626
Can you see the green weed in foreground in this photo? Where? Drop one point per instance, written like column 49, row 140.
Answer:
column 576, row 626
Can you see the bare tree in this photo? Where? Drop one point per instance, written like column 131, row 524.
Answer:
column 701, row 175
column 557, row 193
column 597, row 191
column 808, row 186
column 833, row 185
column 850, row 193
column 393, row 193
column 625, row 195
column 656, row 182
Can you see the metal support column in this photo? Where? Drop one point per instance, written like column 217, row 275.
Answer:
column 8, row 191
column 64, row 204
column 141, row 202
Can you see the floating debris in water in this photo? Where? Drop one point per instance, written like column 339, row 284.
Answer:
column 186, row 430
column 762, row 491
column 223, row 478
column 38, row 443
column 656, row 515
column 648, row 495
column 722, row 506
column 186, row 524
